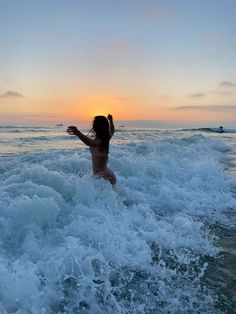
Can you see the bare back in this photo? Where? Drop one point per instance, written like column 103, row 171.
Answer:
column 99, row 159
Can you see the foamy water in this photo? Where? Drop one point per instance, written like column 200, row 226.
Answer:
column 70, row 243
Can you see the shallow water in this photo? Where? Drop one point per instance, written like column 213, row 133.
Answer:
column 162, row 241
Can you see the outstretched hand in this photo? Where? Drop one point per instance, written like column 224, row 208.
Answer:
column 72, row 130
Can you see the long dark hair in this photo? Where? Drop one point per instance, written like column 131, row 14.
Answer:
column 101, row 128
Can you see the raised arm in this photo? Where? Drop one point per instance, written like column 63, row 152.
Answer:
column 112, row 127
column 72, row 130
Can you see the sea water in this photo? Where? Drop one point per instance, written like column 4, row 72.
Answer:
column 161, row 241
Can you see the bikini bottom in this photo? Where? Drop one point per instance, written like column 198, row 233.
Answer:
column 108, row 174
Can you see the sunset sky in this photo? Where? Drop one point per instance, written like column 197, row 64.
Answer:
column 66, row 60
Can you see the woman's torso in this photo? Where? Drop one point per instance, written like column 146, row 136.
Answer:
column 99, row 159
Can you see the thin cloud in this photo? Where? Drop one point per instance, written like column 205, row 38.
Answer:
column 223, row 93
column 222, row 84
column 206, row 108
column 31, row 115
column 227, row 84
column 197, row 95
column 11, row 94
column 39, row 115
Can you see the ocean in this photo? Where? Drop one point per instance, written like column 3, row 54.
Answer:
column 163, row 240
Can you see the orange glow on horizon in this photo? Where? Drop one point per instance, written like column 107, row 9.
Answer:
column 121, row 108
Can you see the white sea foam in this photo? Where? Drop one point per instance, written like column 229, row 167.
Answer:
column 71, row 243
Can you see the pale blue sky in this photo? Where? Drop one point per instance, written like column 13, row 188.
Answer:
column 162, row 50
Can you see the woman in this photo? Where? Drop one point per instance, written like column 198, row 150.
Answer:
column 103, row 130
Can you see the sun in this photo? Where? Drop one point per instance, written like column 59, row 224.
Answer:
column 98, row 111
column 101, row 106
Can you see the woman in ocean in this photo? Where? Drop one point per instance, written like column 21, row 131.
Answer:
column 103, row 130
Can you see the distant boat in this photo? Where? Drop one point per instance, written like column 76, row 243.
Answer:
column 122, row 126
column 59, row 124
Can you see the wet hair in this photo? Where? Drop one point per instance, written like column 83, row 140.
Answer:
column 101, row 128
